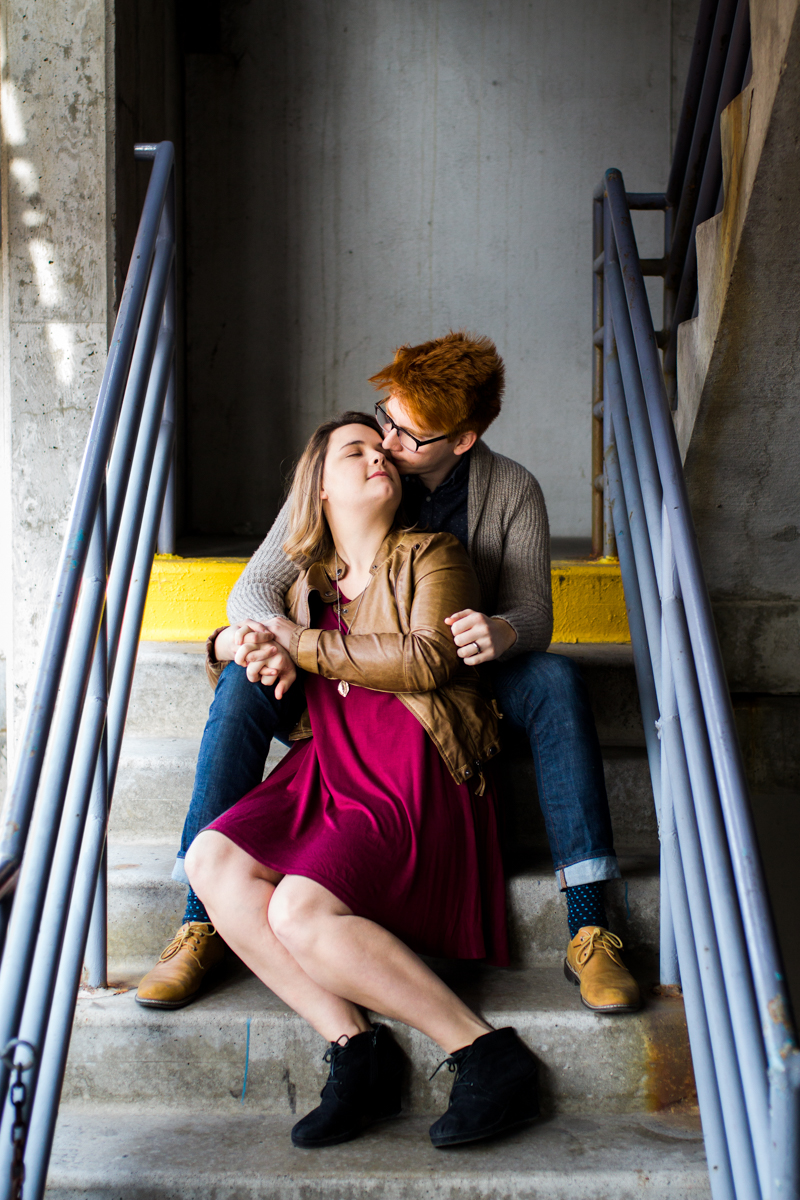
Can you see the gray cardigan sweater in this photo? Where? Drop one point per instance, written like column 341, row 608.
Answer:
column 509, row 544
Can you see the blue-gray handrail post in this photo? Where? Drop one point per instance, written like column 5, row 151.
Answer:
column 744, row 1045
column 167, row 529
column 702, row 1055
column 55, row 821
column 30, row 755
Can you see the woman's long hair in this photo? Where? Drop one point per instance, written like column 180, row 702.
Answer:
column 309, row 537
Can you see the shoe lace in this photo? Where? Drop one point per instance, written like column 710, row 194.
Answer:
column 455, row 1066
column 449, row 1062
column 332, row 1053
column 186, row 935
column 601, row 939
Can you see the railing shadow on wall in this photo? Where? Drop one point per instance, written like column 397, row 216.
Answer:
column 52, row 852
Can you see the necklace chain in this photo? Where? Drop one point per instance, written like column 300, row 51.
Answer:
column 344, row 686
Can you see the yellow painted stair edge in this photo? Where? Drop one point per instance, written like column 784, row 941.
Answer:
column 588, row 601
column 187, row 597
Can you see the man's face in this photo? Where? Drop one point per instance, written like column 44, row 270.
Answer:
column 427, row 458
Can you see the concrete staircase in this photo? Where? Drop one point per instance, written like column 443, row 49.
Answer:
column 199, row 1102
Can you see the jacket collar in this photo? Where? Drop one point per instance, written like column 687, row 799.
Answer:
column 319, row 574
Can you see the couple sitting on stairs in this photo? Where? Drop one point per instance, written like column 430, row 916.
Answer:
column 361, row 621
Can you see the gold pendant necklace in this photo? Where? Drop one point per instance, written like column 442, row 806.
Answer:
column 344, row 686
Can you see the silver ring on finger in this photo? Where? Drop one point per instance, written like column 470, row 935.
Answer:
column 477, row 648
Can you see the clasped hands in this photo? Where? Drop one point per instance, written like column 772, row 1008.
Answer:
column 263, row 648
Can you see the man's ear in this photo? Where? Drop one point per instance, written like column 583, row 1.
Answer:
column 465, row 442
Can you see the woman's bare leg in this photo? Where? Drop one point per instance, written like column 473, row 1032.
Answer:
column 350, row 956
column 237, row 892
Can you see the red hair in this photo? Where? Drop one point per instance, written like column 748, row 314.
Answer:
column 453, row 383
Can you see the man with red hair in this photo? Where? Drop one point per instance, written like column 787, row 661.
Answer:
column 439, row 399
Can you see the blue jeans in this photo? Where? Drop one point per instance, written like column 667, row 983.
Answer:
column 542, row 694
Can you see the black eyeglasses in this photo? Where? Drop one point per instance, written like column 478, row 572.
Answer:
column 406, row 439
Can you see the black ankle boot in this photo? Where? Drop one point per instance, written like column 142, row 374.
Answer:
column 494, row 1090
column 363, row 1086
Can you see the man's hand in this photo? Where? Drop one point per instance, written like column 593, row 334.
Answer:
column 276, row 668
column 479, row 638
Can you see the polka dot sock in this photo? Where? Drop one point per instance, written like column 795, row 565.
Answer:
column 586, row 906
column 194, row 909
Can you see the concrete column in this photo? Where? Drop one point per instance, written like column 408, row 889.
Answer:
column 57, row 199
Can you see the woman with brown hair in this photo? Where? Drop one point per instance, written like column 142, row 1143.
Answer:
column 375, row 838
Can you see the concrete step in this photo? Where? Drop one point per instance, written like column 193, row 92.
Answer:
column 145, row 908
column 196, row 1057
column 102, row 1154
column 156, row 774
column 154, row 786
column 171, row 694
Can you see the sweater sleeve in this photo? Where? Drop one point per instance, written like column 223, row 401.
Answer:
column 421, row 660
column 259, row 592
column 524, row 590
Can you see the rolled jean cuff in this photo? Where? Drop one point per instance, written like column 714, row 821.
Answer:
column 591, row 870
column 179, row 870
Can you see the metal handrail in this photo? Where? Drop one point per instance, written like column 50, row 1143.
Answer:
column 719, row 68
column 717, row 926
column 52, row 853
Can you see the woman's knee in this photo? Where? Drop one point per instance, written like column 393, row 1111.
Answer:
column 205, row 859
column 295, row 909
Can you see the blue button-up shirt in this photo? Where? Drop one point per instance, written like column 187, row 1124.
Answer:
column 443, row 510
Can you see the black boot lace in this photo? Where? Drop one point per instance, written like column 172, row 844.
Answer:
column 333, row 1052
column 456, row 1064
column 450, row 1062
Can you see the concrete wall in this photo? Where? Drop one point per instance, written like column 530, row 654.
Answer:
column 55, row 299
column 357, row 175
column 364, row 173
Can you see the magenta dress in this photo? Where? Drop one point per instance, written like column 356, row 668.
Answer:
column 367, row 808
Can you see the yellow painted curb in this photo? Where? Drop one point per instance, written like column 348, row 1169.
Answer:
column 588, row 601
column 187, row 598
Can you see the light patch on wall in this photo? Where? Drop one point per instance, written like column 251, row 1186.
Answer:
column 25, row 174
column 13, row 127
column 42, row 256
column 62, row 346
column 32, row 219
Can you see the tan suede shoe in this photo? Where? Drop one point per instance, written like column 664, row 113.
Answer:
column 175, row 979
column 593, row 961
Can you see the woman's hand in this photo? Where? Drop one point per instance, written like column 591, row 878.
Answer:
column 282, row 630
column 479, row 638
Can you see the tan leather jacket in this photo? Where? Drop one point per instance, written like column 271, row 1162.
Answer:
column 401, row 644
